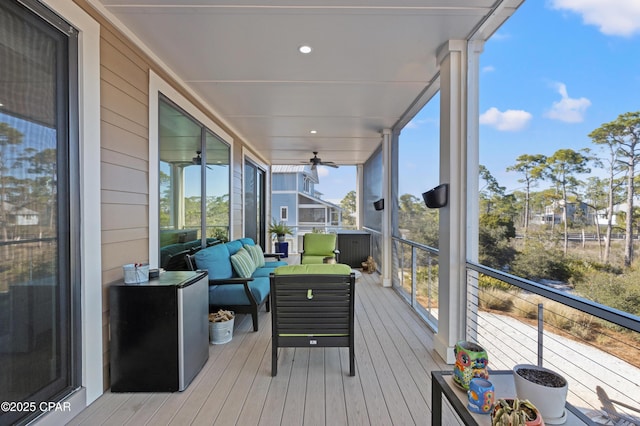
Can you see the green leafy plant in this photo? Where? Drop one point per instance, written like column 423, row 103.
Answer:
column 280, row 228
column 513, row 412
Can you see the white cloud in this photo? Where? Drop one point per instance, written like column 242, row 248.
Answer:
column 510, row 120
column 568, row 109
column 612, row 17
column 499, row 36
column 488, row 68
column 417, row 124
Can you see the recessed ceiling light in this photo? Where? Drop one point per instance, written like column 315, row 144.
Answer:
column 313, row 132
column 305, row 49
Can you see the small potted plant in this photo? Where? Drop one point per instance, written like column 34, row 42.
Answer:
column 543, row 387
column 515, row 412
column 280, row 229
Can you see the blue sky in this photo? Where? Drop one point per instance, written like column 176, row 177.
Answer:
column 557, row 70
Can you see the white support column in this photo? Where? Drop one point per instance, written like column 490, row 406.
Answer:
column 359, row 196
column 386, row 213
column 474, row 49
column 452, row 59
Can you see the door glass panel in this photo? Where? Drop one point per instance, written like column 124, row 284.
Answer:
column 217, row 181
column 35, row 289
column 194, row 166
column 180, row 208
column 254, row 210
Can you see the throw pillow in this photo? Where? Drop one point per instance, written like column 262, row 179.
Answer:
column 255, row 251
column 242, row 263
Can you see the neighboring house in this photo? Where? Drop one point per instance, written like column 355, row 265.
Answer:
column 295, row 202
column 20, row 216
column 617, row 209
column 576, row 212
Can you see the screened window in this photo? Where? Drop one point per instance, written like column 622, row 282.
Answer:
column 38, row 169
column 313, row 215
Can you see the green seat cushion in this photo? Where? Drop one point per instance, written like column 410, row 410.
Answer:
column 233, row 294
column 319, row 244
column 215, row 260
column 255, row 251
column 323, row 269
column 243, row 264
column 310, row 259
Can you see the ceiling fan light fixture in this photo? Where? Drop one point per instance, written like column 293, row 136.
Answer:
column 197, row 160
column 305, row 49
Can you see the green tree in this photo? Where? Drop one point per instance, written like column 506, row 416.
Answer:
column 561, row 169
column 491, row 192
column 419, row 223
column 623, row 137
column 8, row 136
column 348, row 205
column 494, row 241
column 531, row 167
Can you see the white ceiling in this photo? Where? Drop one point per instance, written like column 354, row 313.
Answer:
column 371, row 61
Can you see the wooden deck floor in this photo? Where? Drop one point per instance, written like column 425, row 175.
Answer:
column 394, row 359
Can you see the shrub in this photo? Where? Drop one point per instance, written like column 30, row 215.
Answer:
column 487, row 282
column 495, row 299
column 526, row 306
column 537, row 262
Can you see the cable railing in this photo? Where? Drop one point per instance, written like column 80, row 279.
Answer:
column 415, row 277
column 519, row 321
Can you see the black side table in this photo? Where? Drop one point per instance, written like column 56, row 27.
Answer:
column 442, row 384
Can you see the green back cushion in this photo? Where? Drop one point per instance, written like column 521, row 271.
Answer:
column 242, row 263
column 323, row 269
column 215, row 260
column 255, row 251
column 319, row 244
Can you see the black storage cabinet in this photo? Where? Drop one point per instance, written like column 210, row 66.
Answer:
column 159, row 332
column 354, row 247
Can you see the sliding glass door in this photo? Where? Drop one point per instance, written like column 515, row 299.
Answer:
column 254, row 199
column 39, row 261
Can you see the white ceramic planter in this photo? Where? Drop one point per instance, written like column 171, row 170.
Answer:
column 549, row 400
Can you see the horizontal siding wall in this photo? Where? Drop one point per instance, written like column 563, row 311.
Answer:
column 124, row 92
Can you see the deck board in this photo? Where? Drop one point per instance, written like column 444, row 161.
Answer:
column 392, row 385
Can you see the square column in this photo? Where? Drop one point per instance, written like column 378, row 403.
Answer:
column 452, row 59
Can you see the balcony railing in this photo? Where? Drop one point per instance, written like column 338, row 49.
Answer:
column 415, row 276
column 520, row 321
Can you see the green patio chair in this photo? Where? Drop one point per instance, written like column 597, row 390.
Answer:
column 318, row 248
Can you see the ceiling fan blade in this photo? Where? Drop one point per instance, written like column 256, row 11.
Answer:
column 330, row 164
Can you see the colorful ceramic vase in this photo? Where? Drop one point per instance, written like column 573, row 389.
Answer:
column 471, row 361
column 481, row 395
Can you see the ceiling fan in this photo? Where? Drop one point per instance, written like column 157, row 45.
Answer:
column 316, row 161
column 197, row 160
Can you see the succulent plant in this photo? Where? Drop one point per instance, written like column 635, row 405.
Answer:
column 513, row 412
